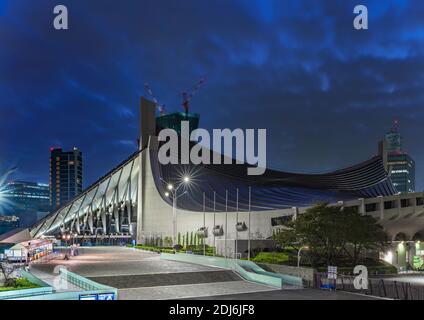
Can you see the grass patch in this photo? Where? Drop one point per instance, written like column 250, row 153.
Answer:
column 271, row 257
column 193, row 249
column 21, row 284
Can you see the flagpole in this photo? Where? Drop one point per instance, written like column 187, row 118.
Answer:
column 214, row 223
column 204, row 225
column 248, row 234
column 237, row 222
column 226, row 220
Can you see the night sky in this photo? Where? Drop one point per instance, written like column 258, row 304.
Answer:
column 325, row 91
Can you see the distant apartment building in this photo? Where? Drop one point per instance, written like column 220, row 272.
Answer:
column 65, row 175
column 399, row 164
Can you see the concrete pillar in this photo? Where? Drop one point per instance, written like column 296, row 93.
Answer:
column 116, row 216
column 90, row 221
column 381, row 206
column 361, row 205
column 414, row 204
column 147, row 121
column 103, row 215
column 295, row 212
column 147, row 130
column 140, row 189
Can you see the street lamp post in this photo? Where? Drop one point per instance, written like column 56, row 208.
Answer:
column 174, row 192
column 298, row 255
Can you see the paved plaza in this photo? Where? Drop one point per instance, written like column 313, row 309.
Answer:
column 140, row 275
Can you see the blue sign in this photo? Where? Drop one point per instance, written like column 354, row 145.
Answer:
column 106, row 296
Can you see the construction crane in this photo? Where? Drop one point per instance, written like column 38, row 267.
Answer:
column 161, row 107
column 188, row 96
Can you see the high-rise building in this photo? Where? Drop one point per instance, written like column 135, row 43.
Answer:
column 8, row 223
column 393, row 140
column 65, row 175
column 399, row 164
column 402, row 171
column 28, row 196
column 27, row 200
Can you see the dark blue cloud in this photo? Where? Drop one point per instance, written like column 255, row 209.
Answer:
column 325, row 92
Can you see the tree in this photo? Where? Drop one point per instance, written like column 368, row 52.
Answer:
column 7, row 270
column 363, row 233
column 332, row 233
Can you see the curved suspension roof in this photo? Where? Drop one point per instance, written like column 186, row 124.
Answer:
column 274, row 189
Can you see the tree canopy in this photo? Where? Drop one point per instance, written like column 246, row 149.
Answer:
column 332, row 233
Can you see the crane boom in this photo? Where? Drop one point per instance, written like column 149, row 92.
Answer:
column 188, row 96
column 161, row 107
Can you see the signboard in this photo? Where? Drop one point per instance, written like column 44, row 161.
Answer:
column 100, row 296
column 106, row 296
column 332, row 272
column 90, row 297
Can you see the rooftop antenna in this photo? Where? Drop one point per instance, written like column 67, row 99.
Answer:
column 188, row 96
column 161, row 107
column 395, row 125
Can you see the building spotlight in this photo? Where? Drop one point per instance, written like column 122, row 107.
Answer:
column 166, row 194
column 170, row 187
column 186, row 179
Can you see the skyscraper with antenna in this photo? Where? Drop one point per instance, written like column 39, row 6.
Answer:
column 399, row 164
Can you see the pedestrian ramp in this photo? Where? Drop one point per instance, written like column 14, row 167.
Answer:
column 167, row 279
column 248, row 270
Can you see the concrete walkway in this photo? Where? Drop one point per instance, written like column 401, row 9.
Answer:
column 216, row 289
column 59, row 284
column 143, row 275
